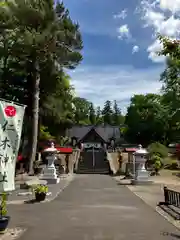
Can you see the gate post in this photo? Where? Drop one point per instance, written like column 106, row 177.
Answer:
column 93, row 156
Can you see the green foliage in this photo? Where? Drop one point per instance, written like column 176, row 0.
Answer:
column 85, row 113
column 117, row 117
column 158, row 150
column 124, row 130
column 99, row 119
column 171, row 48
column 40, row 188
column 44, row 134
column 157, row 164
column 171, row 86
column 156, row 158
column 154, row 118
column 146, row 119
column 107, row 113
column 82, row 107
column 92, row 115
column 62, row 141
column 38, row 39
column 173, row 165
column 3, row 204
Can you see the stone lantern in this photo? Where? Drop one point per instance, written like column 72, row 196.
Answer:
column 141, row 175
column 50, row 174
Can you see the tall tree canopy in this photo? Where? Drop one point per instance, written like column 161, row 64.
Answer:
column 107, row 113
column 171, row 85
column 37, row 35
column 145, row 119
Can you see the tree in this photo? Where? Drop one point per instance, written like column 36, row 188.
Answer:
column 82, row 107
column 171, row 98
column 44, row 134
column 171, row 85
column 57, row 110
column 99, row 119
column 159, row 149
column 117, row 116
column 146, row 119
column 44, row 34
column 107, row 113
column 92, row 115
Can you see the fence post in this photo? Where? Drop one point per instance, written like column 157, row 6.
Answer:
column 166, row 195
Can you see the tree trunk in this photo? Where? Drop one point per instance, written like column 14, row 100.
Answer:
column 35, row 118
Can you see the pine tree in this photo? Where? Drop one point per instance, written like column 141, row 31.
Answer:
column 42, row 33
column 116, row 114
column 92, row 114
column 107, row 113
column 99, row 119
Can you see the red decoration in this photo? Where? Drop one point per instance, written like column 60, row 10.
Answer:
column 10, row 111
column 65, row 149
column 62, row 149
column 131, row 149
column 20, row 157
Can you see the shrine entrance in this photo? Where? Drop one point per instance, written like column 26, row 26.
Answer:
column 93, row 159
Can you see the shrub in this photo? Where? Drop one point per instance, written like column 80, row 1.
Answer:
column 44, row 134
column 158, row 149
column 156, row 158
column 40, row 188
column 156, row 164
column 173, row 165
column 3, row 210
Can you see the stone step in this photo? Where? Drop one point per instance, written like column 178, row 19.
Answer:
column 96, row 164
column 91, row 170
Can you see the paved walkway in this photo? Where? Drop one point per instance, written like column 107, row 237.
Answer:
column 93, row 207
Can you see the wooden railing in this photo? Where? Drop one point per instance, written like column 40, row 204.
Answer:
column 171, row 197
column 171, row 203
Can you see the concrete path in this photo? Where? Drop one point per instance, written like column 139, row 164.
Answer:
column 92, row 207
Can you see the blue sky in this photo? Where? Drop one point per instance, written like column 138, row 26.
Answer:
column 120, row 46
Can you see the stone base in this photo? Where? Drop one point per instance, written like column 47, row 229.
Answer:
column 141, row 182
column 51, row 180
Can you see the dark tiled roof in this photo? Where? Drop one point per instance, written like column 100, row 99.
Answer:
column 78, row 131
column 106, row 132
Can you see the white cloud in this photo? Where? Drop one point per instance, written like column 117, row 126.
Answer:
column 153, row 49
column 156, row 17
column 171, row 5
column 135, row 49
column 153, row 18
column 121, row 15
column 102, row 83
column 124, row 32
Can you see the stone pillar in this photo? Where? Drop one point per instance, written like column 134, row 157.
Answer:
column 50, row 174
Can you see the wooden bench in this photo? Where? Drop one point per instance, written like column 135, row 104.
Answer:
column 171, row 203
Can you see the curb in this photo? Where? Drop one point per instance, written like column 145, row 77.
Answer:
column 69, row 179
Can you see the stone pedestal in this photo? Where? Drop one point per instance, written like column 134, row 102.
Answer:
column 50, row 174
column 141, row 175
